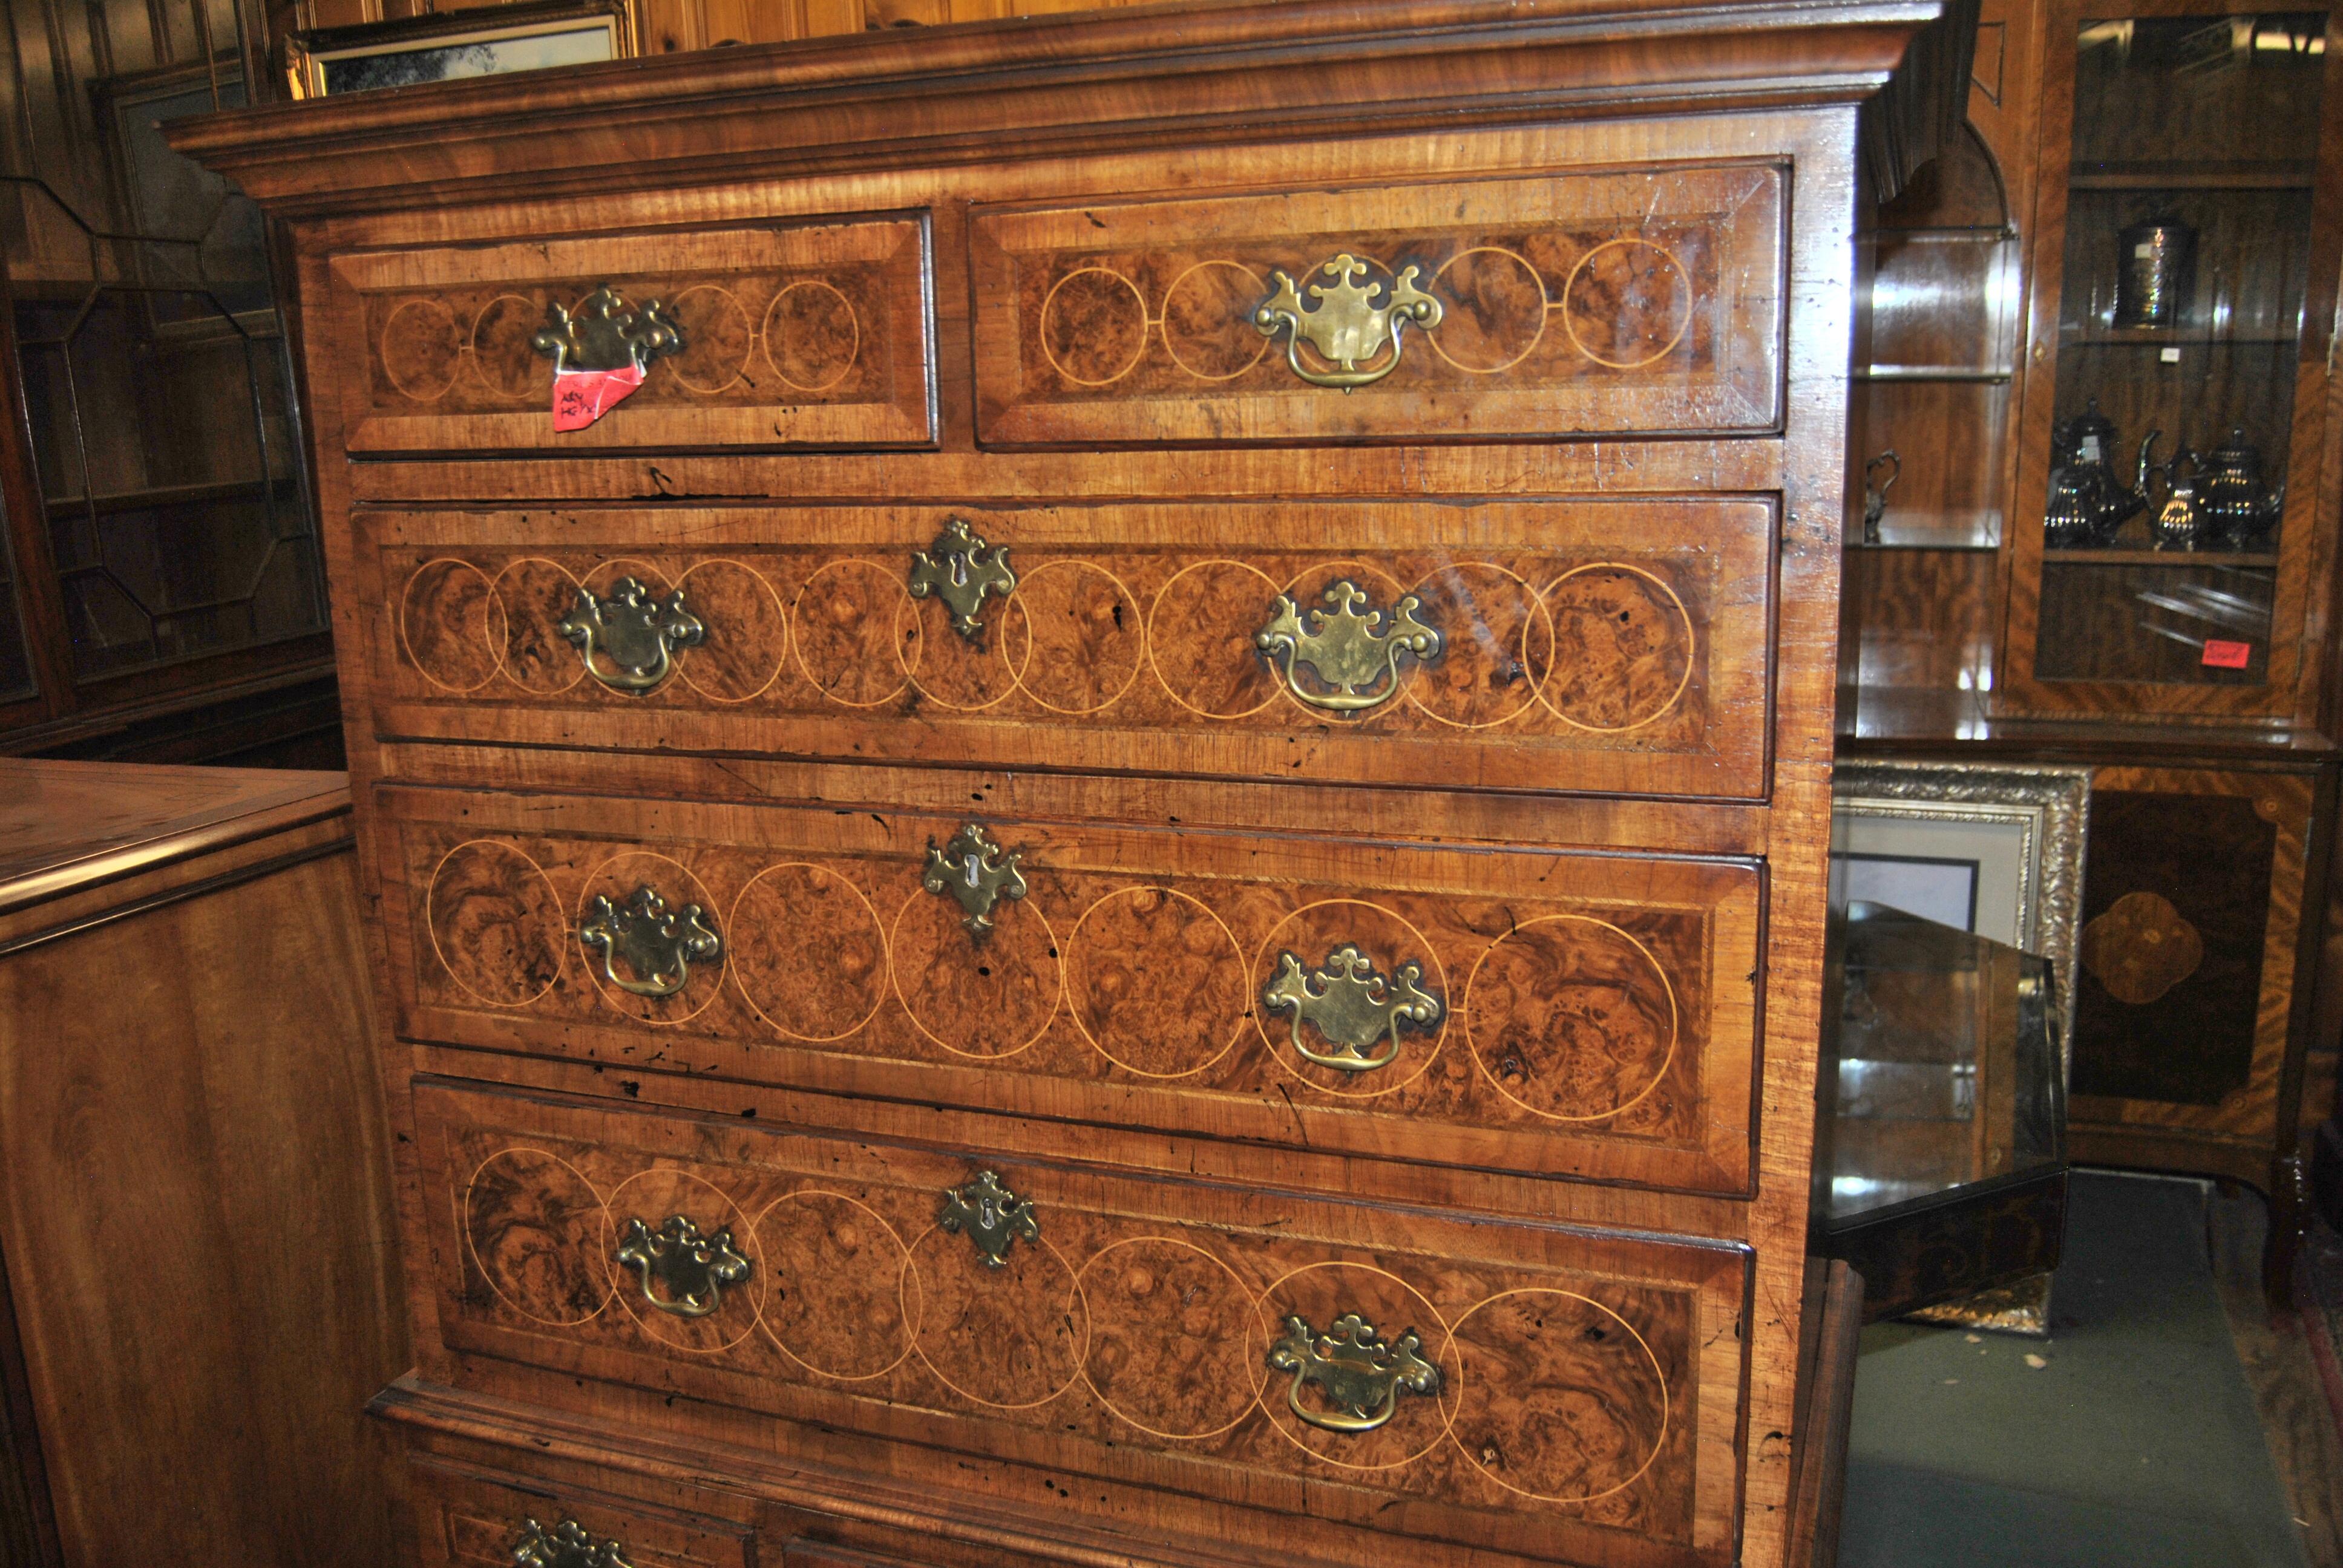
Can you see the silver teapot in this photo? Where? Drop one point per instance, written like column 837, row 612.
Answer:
column 2177, row 522
column 2088, row 503
column 2239, row 507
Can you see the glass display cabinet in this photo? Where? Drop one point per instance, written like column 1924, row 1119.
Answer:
column 2182, row 293
column 1941, row 1170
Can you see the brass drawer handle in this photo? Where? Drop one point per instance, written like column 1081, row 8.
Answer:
column 977, row 874
column 959, row 568
column 567, row 1545
column 607, row 334
column 991, row 1216
column 1362, row 1375
column 660, row 946
column 1349, row 1003
column 1356, row 652
column 636, row 632
column 690, row 1270
column 1346, row 325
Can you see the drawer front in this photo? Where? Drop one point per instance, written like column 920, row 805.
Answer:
column 1600, row 646
column 1564, row 1396
column 464, row 1516
column 1646, row 300
column 1580, row 1015
column 814, row 334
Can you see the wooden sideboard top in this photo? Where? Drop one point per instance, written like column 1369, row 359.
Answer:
column 67, row 826
column 1051, row 85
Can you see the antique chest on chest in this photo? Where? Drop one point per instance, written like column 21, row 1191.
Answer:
column 1127, row 867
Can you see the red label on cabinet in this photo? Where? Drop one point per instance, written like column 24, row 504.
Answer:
column 2223, row 654
column 582, row 396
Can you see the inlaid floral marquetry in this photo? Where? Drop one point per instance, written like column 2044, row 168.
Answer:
column 816, row 332
column 1619, row 647
column 1648, row 300
column 1506, row 1383
column 1592, row 1015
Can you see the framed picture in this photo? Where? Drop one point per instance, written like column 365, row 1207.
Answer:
column 481, row 42
column 200, row 246
column 1994, row 850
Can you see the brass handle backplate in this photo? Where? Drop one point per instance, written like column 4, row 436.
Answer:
column 635, row 632
column 977, row 874
column 682, row 1271
column 991, row 1216
column 1346, row 325
column 607, row 334
column 658, row 945
column 1356, row 652
column 1347, row 1001
column 1354, row 1368
column 566, row 1546
column 959, row 568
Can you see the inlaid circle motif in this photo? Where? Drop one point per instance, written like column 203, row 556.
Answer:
column 1012, row 1337
column 718, row 338
column 1207, row 326
column 1627, row 303
column 812, row 335
column 807, row 952
column 836, row 1300
column 965, row 673
column 617, row 878
column 1176, row 1349
column 495, row 923
column 1321, row 1293
column 988, row 999
column 450, row 623
column 1093, row 326
column 1493, row 310
column 1622, row 647
column 1199, row 638
column 1086, row 640
column 844, row 625
column 534, row 1226
column 1155, row 983
column 1564, row 1401
column 1571, row 1017
column 501, row 351
column 1496, row 649
column 746, row 635
column 535, row 595
column 651, row 1196
column 1312, row 934
column 422, row 349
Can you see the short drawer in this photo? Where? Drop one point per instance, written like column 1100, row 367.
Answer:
column 1545, row 1391
column 1611, row 646
column 1566, row 1014
column 468, row 1516
column 811, row 335
column 1643, row 300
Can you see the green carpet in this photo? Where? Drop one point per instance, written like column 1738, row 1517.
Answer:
column 2135, row 1445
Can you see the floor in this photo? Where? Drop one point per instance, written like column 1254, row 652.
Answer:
column 2168, row 1421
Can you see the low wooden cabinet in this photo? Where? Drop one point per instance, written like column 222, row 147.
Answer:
column 200, row 1266
column 1132, row 868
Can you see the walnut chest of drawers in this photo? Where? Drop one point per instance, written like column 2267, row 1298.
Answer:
column 1130, row 872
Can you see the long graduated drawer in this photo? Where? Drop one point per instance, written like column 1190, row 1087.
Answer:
column 1612, row 647
column 1567, row 1014
column 1541, row 1392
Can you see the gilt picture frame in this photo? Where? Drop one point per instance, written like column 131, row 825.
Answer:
column 484, row 41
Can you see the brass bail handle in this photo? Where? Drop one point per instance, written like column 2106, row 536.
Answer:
column 1353, row 1005
column 1352, row 647
column 681, row 1270
column 1353, row 327
column 635, row 633
column 658, row 945
column 1353, row 1366
column 566, row 1546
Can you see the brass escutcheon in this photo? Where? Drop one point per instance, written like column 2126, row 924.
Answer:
column 1355, row 652
column 661, row 947
column 1352, row 1005
column 989, row 1215
column 977, row 872
column 692, row 1269
column 1362, row 1375
column 636, row 632
column 566, row 1546
column 1346, row 327
column 607, row 334
column 959, row 568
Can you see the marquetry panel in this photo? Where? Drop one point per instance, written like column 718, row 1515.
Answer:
column 1587, row 1384
column 1641, row 300
column 1584, row 645
column 1595, row 1014
column 790, row 334
column 470, row 1518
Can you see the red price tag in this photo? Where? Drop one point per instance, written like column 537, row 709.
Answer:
column 2224, row 654
column 582, row 396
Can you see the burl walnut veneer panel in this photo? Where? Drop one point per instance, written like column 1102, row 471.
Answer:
column 812, row 333
column 1596, row 1012
column 1590, row 645
column 1584, row 1407
column 1641, row 300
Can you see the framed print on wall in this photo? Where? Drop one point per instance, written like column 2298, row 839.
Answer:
column 485, row 41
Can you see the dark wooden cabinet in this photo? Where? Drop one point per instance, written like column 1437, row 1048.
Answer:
column 1132, row 869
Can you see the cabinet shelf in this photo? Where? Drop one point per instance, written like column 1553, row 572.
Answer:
column 2263, row 559
column 2094, row 336
column 2195, row 177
